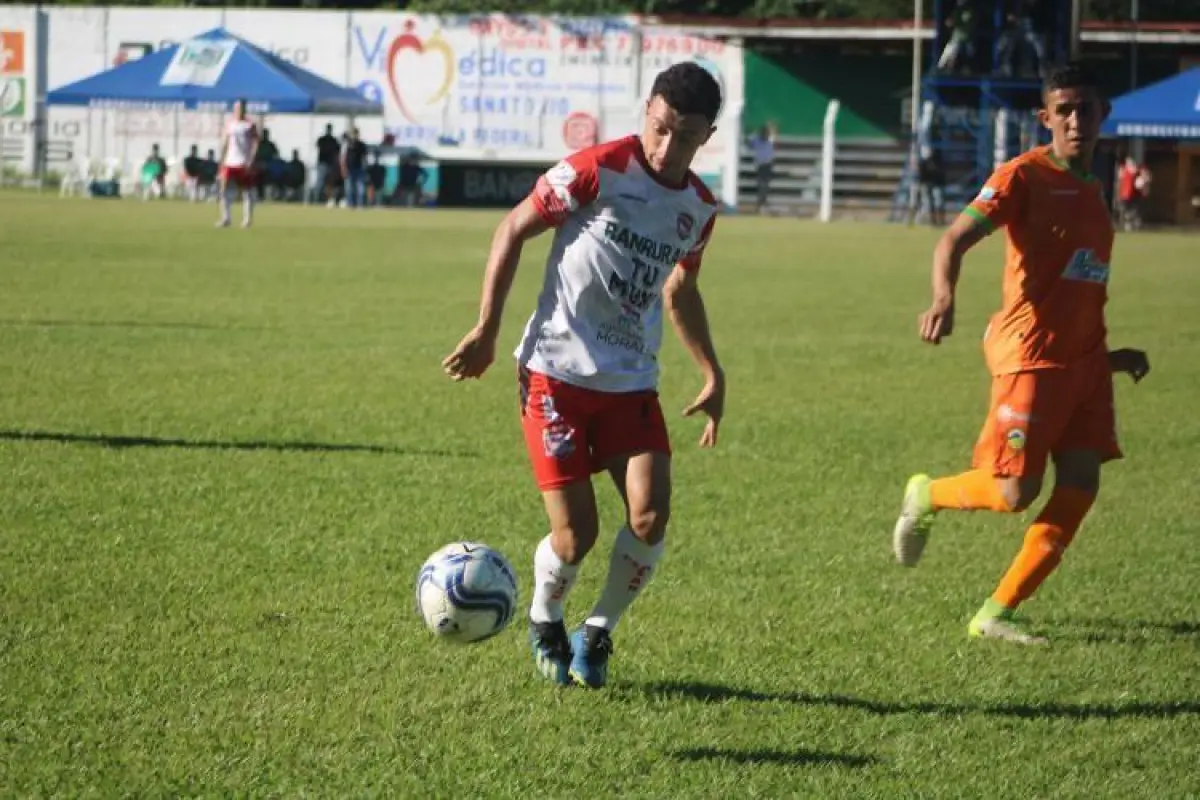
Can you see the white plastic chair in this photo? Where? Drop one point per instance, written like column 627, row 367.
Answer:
column 176, row 187
column 76, row 177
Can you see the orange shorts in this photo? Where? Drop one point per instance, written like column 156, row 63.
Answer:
column 1038, row 413
column 572, row 432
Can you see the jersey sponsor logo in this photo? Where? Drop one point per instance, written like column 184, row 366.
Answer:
column 614, row 338
column 684, row 225
column 558, row 440
column 559, row 178
column 1085, row 266
column 644, row 246
column 637, row 293
column 1007, row 413
column 986, row 193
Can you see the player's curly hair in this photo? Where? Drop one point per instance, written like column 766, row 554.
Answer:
column 689, row 88
column 1071, row 75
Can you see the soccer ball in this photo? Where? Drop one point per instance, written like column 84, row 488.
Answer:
column 466, row 592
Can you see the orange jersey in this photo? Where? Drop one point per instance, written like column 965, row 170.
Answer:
column 1059, row 242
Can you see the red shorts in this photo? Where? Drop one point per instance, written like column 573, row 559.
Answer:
column 572, row 432
column 1041, row 412
column 243, row 177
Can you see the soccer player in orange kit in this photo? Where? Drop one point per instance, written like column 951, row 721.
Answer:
column 1052, row 389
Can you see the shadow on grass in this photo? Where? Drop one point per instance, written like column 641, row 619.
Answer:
column 1107, row 629
column 792, row 757
column 717, row 693
column 121, row 442
column 100, row 323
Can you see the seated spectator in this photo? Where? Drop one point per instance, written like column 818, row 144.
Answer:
column 154, row 175
column 193, row 166
column 208, row 174
column 295, row 176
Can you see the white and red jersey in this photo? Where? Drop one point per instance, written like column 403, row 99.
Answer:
column 241, row 135
column 620, row 233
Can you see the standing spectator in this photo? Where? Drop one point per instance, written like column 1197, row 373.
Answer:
column 931, row 180
column 410, row 181
column 959, row 52
column 1129, row 195
column 1142, row 184
column 353, row 164
column 1021, row 50
column 328, row 154
column 265, row 167
column 376, row 176
column 762, row 144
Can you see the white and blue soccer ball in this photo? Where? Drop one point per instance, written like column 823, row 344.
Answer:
column 466, row 592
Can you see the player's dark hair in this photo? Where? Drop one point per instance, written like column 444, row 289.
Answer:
column 689, row 88
column 1071, row 75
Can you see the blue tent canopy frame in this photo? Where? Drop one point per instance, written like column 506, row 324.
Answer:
column 267, row 83
column 1168, row 109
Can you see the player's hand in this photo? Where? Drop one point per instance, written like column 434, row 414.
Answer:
column 473, row 355
column 711, row 401
column 938, row 322
column 1132, row 362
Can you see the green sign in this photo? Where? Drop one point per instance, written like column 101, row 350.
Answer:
column 12, row 97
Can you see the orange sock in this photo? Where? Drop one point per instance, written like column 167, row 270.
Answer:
column 1045, row 542
column 976, row 490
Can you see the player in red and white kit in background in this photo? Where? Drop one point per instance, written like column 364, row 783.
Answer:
column 239, row 146
column 631, row 223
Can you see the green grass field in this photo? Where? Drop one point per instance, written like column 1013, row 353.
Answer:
column 226, row 453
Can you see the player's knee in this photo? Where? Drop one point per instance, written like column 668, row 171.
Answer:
column 572, row 542
column 650, row 524
column 1078, row 472
column 1018, row 494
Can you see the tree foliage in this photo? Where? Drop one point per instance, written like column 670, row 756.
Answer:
column 1100, row 10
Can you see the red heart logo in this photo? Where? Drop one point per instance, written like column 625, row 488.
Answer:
column 408, row 41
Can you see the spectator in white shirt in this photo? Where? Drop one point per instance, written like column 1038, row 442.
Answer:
column 762, row 144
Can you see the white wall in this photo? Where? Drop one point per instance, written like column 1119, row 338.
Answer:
column 499, row 83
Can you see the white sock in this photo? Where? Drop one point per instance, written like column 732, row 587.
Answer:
column 629, row 570
column 552, row 580
column 225, row 195
column 247, row 207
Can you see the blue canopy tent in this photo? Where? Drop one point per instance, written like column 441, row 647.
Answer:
column 210, row 73
column 1169, row 109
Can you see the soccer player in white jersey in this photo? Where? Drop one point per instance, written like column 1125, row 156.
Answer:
column 239, row 146
column 631, row 223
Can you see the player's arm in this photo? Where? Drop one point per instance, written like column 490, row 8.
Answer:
column 685, row 306
column 560, row 192
column 999, row 203
column 475, row 353
column 963, row 234
column 519, row 226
